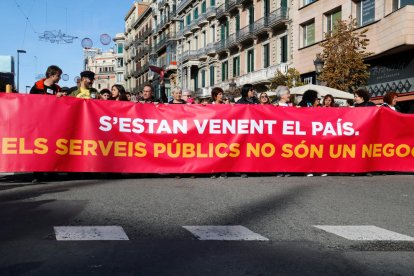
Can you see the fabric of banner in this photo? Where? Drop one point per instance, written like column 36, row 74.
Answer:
column 46, row 133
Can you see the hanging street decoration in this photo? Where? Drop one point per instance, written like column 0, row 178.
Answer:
column 57, row 37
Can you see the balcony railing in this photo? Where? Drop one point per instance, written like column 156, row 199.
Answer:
column 202, row 53
column 231, row 41
column 220, row 46
column 222, row 10
column 211, row 12
column 182, row 5
column 263, row 75
column 202, row 19
column 245, row 34
column 278, row 16
column 211, row 49
column 192, row 54
column 232, row 4
column 194, row 25
column 187, row 31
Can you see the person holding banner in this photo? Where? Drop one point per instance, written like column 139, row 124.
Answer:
column 176, row 94
column 362, row 98
column 85, row 89
column 390, row 100
column 247, row 95
column 328, row 101
column 282, row 96
column 217, row 95
column 148, row 94
column 48, row 85
column 118, row 93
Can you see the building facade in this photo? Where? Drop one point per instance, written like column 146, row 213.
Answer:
column 119, row 40
column 228, row 43
column 103, row 64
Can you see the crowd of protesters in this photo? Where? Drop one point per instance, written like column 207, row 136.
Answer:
column 310, row 98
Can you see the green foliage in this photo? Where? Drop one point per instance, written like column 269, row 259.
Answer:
column 344, row 51
column 290, row 79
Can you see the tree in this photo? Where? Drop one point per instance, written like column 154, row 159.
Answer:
column 290, row 79
column 344, row 51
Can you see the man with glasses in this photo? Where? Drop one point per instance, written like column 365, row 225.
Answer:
column 148, row 97
column 187, row 96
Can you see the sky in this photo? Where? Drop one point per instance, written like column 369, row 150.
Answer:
column 83, row 19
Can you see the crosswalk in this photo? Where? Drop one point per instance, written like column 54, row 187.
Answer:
column 229, row 233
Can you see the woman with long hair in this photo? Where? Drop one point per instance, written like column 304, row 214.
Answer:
column 328, row 101
column 118, row 93
column 264, row 98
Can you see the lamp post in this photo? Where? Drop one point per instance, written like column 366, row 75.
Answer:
column 318, row 62
column 18, row 67
column 27, row 86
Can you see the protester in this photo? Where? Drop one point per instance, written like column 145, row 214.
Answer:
column 247, row 95
column 309, row 98
column 390, row 100
column 105, row 94
column 85, row 89
column 362, row 97
column 282, row 96
column 328, row 101
column 217, row 95
column 176, row 94
column 64, row 91
column 264, row 98
column 74, row 88
column 49, row 84
column 148, row 94
column 128, row 95
column 118, row 93
column 187, row 96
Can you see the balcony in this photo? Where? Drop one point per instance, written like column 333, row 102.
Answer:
column 211, row 49
column 194, row 25
column 202, row 54
column 187, row 31
column 231, row 41
column 135, row 73
column 245, row 34
column 233, row 5
column 278, row 17
column 222, row 11
column 261, row 26
column 211, row 13
column 220, row 46
column 262, row 76
column 183, row 5
column 189, row 55
column 202, row 20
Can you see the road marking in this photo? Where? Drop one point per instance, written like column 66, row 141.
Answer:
column 90, row 233
column 224, row 233
column 364, row 233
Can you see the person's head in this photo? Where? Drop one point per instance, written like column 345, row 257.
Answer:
column 105, row 94
column 361, row 95
column 391, row 98
column 204, row 100
column 309, row 98
column 264, row 98
column 283, row 94
column 87, row 79
column 53, row 73
column 187, row 95
column 177, row 94
column 247, row 91
column 217, row 94
column 128, row 95
column 147, row 91
column 350, row 102
column 64, row 91
column 328, row 101
column 118, row 93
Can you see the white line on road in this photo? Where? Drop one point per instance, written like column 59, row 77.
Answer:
column 364, row 233
column 90, row 233
column 224, row 233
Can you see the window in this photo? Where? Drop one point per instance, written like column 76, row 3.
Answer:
column 236, row 66
column 398, row 4
column 365, row 12
column 204, row 39
column 213, row 33
column 212, row 3
column 225, row 70
column 212, row 75
column 251, row 14
column 195, row 12
column 284, row 48
column 181, row 25
column 250, row 61
column 266, row 55
column 237, row 19
column 120, row 48
column 196, row 43
column 331, row 20
column 203, row 78
column 308, row 33
column 266, row 7
column 195, row 81
column 188, row 18
column 203, row 7
column 307, row 2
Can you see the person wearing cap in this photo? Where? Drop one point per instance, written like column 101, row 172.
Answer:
column 85, row 90
column 48, row 85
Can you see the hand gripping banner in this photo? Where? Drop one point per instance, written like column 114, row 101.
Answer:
column 45, row 133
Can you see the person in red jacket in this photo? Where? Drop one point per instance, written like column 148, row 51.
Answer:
column 48, row 85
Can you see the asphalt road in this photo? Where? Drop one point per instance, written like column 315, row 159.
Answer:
column 152, row 212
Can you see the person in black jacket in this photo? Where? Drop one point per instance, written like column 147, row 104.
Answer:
column 148, row 94
column 362, row 98
column 48, row 85
column 247, row 95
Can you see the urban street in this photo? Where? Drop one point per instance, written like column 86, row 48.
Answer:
column 298, row 225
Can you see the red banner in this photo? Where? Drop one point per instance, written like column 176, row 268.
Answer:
column 45, row 133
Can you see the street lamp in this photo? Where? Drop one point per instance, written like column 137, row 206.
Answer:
column 18, row 67
column 27, row 86
column 318, row 62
